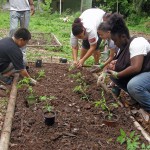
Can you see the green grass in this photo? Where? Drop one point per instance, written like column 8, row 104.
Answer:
column 143, row 25
column 53, row 23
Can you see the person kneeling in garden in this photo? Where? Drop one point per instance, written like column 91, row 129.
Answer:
column 132, row 68
column 11, row 57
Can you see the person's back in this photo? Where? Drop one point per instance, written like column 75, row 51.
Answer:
column 11, row 57
column 10, row 52
column 19, row 5
column 91, row 18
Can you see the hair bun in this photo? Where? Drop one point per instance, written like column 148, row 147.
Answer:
column 77, row 20
column 116, row 20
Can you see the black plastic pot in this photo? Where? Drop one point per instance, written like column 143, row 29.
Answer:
column 49, row 118
column 38, row 63
column 27, row 68
column 111, row 121
column 63, row 60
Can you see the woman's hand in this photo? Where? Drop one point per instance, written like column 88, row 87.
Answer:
column 80, row 63
column 101, row 78
column 112, row 73
column 112, row 64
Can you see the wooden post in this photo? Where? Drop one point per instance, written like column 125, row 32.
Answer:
column 60, row 7
column 6, row 131
column 139, row 127
column 81, row 8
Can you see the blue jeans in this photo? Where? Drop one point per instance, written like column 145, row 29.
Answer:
column 138, row 88
column 22, row 17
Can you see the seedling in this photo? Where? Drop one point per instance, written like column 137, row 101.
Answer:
column 132, row 141
column 81, row 90
column 145, row 147
column 47, row 106
column 24, row 82
column 71, row 67
column 76, row 76
column 103, row 105
column 41, row 74
column 115, row 105
column 31, row 97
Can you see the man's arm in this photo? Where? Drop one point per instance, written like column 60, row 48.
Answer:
column 32, row 9
column 74, row 45
column 75, row 54
column 89, row 52
column 87, row 55
column 24, row 73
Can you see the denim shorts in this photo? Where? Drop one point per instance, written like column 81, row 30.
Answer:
column 86, row 44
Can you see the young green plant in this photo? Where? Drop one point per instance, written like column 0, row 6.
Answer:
column 132, row 140
column 81, row 90
column 103, row 105
column 31, row 97
column 46, row 99
column 24, row 82
column 41, row 74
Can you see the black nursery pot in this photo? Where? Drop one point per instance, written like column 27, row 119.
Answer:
column 63, row 60
column 113, row 122
column 49, row 118
column 38, row 63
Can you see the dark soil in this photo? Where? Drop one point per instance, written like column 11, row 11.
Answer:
column 79, row 124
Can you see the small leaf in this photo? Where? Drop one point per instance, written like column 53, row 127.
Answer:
column 122, row 132
column 121, row 140
column 143, row 146
column 132, row 134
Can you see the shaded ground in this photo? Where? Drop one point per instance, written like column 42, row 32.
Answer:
column 79, row 124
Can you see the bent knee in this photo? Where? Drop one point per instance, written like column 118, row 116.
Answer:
column 133, row 87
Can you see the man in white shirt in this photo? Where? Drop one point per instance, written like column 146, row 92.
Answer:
column 85, row 28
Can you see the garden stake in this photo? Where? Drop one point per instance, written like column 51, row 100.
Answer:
column 107, row 90
column 139, row 127
column 5, row 134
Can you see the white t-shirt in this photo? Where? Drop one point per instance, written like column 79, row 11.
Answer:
column 91, row 18
column 111, row 45
column 19, row 5
column 139, row 46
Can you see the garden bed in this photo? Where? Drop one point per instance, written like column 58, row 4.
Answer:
column 38, row 39
column 44, row 40
column 79, row 123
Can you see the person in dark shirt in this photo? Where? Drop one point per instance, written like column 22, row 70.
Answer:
column 11, row 57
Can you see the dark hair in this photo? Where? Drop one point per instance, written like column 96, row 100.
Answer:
column 104, row 26
column 77, row 27
column 118, row 25
column 23, row 33
column 106, row 16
